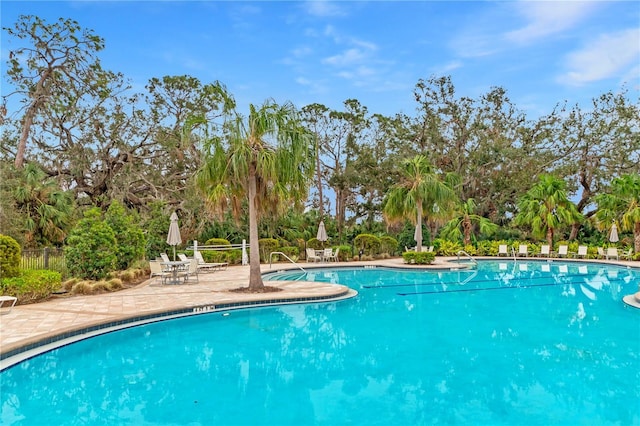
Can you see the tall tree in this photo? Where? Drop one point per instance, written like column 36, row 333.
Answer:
column 546, row 207
column 266, row 159
column 57, row 58
column 420, row 191
column 464, row 221
column 622, row 204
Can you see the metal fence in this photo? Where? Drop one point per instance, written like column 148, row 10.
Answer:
column 46, row 258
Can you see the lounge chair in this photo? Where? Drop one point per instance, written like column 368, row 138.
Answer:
column 612, row 252
column 523, row 250
column 502, row 250
column 582, row 252
column 208, row 266
column 601, row 254
column 628, row 255
column 312, row 256
column 183, row 257
column 563, row 250
column 164, row 257
column 545, row 251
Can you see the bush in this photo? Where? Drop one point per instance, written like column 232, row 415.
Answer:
column 422, row 258
column 267, row 246
column 82, row 287
column 129, row 236
column 388, row 245
column 370, row 244
column 315, row 244
column 217, row 242
column 31, row 285
column 91, row 247
column 10, row 256
column 345, row 253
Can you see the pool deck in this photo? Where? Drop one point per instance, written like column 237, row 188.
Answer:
column 32, row 325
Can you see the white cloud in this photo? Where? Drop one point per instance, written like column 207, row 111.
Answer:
column 545, row 18
column 611, row 55
column 324, row 8
column 347, row 58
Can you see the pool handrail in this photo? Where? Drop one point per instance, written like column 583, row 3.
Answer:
column 467, row 255
column 287, row 257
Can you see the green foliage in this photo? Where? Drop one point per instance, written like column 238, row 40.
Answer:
column 369, row 243
column 267, row 245
column 315, row 244
column 217, row 242
column 91, row 250
column 483, row 248
column 32, row 285
column 156, row 228
column 388, row 244
column 422, row 258
column 10, row 256
column 345, row 253
column 446, row 247
column 129, row 236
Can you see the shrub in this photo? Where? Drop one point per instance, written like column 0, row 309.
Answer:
column 370, row 244
column 129, row 236
column 345, row 253
column 128, row 275
column 447, row 248
column 315, row 244
column 68, row 284
column 267, row 246
column 422, row 258
column 10, row 256
column 82, row 287
column 388, row 244
column 218, row 242
column 31, row 285
column 91, row 247
column 99, row 286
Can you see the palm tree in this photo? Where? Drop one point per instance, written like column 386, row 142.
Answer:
column 545, row 207
column 420, row 190
column 622, row 204
column 44, row 207
column 461, row 226
column 267, row 160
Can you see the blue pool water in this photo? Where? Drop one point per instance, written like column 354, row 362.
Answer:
column 503, row 344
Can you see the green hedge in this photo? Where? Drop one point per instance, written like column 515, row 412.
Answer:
column 422, row 258
column 31, row 285
column 10, row 256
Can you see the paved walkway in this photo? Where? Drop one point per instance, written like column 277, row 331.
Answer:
column 30, row 325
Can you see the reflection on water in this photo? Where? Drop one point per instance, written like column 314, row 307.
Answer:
column 502, row 344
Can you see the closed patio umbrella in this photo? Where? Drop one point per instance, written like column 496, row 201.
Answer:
column 173, row 237
column 613, row 235
column 322, row 233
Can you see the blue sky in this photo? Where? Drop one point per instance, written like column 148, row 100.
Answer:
column 323, row 52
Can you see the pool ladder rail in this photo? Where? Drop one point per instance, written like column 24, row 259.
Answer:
column 468, row 256
column 287, row 257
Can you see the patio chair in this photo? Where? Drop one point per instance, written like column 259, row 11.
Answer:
column 164, row 257
column 502, row 250
column 334, row 256
column 545, row 251
column 582, row 252
column 628, row 255
column 191, row 271
column 601, row 254
column 523, row 250
column 312, row 256
column 183, row 257
column 612, row 252
column 156, row 271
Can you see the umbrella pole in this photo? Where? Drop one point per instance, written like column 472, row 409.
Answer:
column 174, row 253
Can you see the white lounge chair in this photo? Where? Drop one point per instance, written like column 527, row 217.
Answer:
column 191, row 271
column 183, row 257
column 312, row 256
column 563, row 250
column 628, row 255
column 612, row 253
column 545, row 250
column 164, row 257
column 502, row 250
column 601, row 254
column 208, row 266
column 582, row 252
column 523, row 250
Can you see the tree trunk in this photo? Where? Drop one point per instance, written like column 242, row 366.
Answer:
column 319, row 176
column 636, row 237
column 38, row 100
column 255, row 277
column 550, row 238
column 419, row 226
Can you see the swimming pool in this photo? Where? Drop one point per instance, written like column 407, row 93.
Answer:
column 503, row 343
